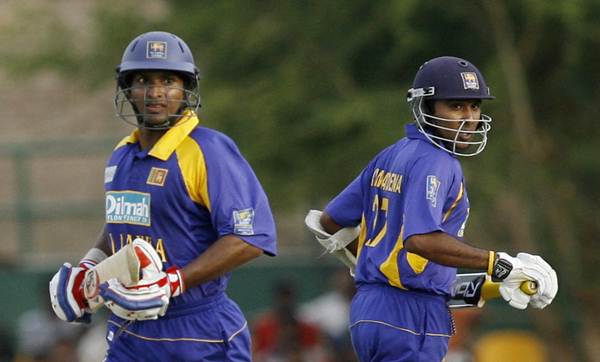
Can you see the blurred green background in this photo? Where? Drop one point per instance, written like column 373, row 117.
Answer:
column 310, row 91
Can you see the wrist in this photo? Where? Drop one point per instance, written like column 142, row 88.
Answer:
column 92, row 258
column 502, row 266
column 176, row 280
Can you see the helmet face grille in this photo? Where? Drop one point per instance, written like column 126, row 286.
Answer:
column 426, row 125
column 126, row 110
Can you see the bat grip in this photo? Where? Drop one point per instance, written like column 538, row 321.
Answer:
column 529, row 287
column 491, row 290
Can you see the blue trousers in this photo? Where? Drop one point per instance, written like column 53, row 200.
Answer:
column 390, row 324
column 214, row 330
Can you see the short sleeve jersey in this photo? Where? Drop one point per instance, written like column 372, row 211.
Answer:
column 412, row 187
column 190, row 189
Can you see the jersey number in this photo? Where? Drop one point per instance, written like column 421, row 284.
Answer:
column 380, row 206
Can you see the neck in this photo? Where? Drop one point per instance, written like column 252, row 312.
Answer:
column 148, row 138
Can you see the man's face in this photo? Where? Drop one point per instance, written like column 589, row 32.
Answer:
column 157, row 95
column 457, row 110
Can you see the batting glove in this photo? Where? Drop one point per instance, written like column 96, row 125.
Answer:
column 510, row 271
column 544, row 276
column 66, row 293
column 147, row 299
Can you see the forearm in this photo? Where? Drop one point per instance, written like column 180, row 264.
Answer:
column 446, row 250
column 332, row 227
column 224, row 255
column 103, row 241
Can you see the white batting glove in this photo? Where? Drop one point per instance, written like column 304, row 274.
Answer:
column 544, row 276
column 66, row 294
column 147, row 299
column 510, row 271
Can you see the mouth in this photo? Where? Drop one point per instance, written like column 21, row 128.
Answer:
column 465, row 137
column 155, row 107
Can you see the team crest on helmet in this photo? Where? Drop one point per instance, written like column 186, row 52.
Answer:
column 470, row 80
column 156, row 50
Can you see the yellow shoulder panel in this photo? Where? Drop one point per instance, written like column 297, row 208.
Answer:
column 193, row 169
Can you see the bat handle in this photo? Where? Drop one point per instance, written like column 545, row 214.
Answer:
column 529, row 287
column 491, row 290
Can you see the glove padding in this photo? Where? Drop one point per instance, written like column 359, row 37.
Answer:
column 525, row 267
column 138, row 302
column 544, row 276
column 147, row 299
column 66, row 294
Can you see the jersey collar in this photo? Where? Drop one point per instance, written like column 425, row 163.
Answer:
column 412, row 132
column 171, row 139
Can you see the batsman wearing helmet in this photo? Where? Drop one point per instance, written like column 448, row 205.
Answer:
column 411, row 205
column 187, row 204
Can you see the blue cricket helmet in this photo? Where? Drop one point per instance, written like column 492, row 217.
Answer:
column 158, row 50
column 449, row 78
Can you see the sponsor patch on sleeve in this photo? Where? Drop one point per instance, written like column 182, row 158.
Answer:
column 432, row 187
column 109, row 174
column 243, row 222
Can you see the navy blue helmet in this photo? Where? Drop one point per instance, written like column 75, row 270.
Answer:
column 156, row 50
column 449, row 78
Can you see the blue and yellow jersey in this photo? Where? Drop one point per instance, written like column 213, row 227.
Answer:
column 409, row 188
column 190, row 189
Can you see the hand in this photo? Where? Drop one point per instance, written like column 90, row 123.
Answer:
column 510, row 271
column 66, row 293
column 147, row 299
column 545, row 277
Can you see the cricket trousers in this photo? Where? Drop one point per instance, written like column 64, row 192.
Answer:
column 390, row 324
column 213, row 330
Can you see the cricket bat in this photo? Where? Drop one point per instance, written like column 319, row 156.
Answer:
column 473, row 289
column 123, row 265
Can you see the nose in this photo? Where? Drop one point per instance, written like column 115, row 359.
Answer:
column 155, row 91
column 468, row 113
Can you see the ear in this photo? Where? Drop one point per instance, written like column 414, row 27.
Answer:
column 429, row 106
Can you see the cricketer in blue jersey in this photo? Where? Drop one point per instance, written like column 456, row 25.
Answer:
column 412, row 207
column 187, row 191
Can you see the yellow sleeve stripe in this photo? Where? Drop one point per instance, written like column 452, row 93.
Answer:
column 193, row 169
column 455, row 203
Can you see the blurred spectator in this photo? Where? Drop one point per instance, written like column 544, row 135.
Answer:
column 92, row 345
column 510, row 345
column 42, row 337
column 465, row 323
column 280, row 336
column 330, row 311
column 6, row 346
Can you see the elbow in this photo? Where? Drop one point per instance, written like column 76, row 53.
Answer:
column 252, row 252
column 418, row 244
column 328, row 224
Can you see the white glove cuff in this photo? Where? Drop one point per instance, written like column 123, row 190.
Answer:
column 93, row 257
